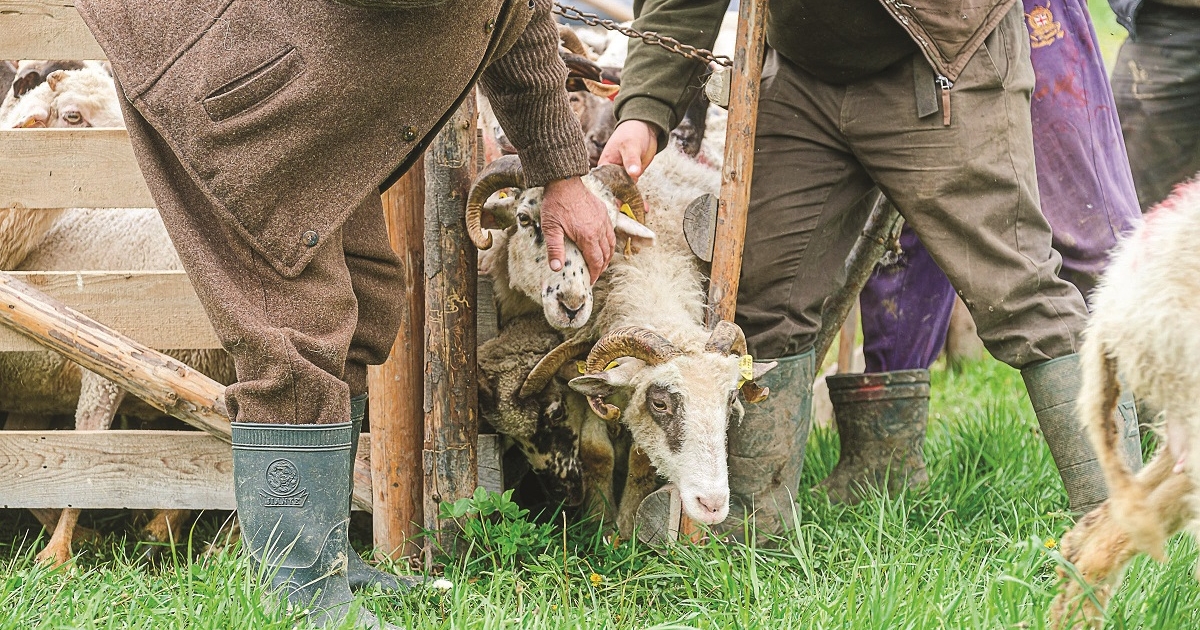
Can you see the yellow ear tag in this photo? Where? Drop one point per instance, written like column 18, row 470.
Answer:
column 581, row 366
column 611, row 365
column 627, row 211
column 745, row 370
column 502, row 195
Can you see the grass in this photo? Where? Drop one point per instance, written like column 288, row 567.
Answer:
column 972, row 552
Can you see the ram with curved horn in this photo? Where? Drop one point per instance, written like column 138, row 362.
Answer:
column 500, row 201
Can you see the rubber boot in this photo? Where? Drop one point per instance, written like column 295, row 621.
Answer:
column 766, row 450
column 361, row 574
column 290, row 487
column 1053, row 387
column 881, row 425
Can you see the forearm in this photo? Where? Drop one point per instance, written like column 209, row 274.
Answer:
column 656, row 84
column 527, row 90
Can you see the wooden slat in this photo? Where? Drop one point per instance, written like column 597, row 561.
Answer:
column 70, row 168
column 157, row 308
column 32, row 29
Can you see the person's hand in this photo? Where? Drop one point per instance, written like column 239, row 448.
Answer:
column 570, row 208
column 632, row 145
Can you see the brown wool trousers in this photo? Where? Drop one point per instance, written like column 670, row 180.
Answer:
column 300, row 345
column 969, row 190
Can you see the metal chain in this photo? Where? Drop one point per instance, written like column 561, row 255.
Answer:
column 649, row 37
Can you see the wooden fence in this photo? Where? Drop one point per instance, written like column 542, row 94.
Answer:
column 95, row 168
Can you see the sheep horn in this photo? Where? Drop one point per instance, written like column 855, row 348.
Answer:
column 726, row 338
column 570, row 40
column 548, row 366
column 614, row 177
column 503, row 172
column 630, row 341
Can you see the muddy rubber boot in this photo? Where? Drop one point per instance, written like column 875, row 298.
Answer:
column 881, row 425
column 1053, row 387
column 290, row 487
column 766, row 450
column 361, row 574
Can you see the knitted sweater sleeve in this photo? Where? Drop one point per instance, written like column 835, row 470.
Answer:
column 527, row 90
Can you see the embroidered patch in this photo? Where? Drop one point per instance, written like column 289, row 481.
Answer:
column 1043, row 28
column 283, row 483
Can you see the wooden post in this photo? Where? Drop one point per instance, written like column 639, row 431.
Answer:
column 450, row 271
column 398, row 386
column 154, row 377
column 736, row 174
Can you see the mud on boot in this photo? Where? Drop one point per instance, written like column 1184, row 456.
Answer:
column 881, row 422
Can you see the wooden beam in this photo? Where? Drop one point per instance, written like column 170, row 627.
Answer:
column 157, row 308
column 70, row 168
column 450, row 343
column 398, row 386
column 154, row 377
column 40, row 29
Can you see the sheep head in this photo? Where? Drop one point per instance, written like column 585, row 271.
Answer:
column 677, row 405
column 69, row 98
column 565, row 295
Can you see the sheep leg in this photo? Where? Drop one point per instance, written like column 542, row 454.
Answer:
column 641, row 480
column 164, row 527
column 98, row 402
column 1100, row 548
column 229, row 533
column 598, row 457
column 48, row 517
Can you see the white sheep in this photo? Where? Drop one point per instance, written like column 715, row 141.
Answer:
column 1140, row 326
column 68, row 98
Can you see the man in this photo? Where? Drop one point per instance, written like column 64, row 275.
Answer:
column 1088, row 198
column 265, row 131
column 1157, row 84
column 931, row 106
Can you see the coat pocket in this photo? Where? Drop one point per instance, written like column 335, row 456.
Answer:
column 254, row 87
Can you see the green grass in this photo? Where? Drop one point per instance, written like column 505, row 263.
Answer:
column 969, row 553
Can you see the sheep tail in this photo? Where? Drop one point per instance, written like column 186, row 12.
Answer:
column 1097, row 411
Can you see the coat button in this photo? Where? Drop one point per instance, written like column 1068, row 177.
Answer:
column 490, row 26
column 310, row 238
column 410, row 133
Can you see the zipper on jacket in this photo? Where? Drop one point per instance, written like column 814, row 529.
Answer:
column 945, row 84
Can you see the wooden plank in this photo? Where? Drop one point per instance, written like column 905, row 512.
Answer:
column 451, row 425
column 397, row 386
column 491, row 462
column 70, row 168
column 157, row 308
column 37, row 29
column 115, row 469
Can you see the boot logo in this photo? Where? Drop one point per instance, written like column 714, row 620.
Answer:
column 283, row 486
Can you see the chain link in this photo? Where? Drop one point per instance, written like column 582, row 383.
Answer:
column 649, row 37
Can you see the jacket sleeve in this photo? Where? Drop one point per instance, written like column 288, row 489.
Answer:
column 527, row 89
column 657, row 85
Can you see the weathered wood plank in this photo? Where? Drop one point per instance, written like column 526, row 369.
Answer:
column 157, row 308
column 451, row 426
column 397, row 387
column 70, row 168
column 38, row 29
column 491, row 462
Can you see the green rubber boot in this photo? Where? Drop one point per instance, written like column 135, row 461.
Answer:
column 766, row 450
column 881, row 425
column 290, row 487
column 361, row 574
column 1053, row 387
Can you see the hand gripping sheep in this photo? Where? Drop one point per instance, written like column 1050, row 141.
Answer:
column 1141, row 325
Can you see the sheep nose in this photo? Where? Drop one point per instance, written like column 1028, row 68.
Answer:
column 570, row 311
column 713, row 503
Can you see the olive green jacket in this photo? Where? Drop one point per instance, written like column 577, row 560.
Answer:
column 657, row 85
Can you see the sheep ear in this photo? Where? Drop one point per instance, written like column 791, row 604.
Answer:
column 36, row 119
column 603, row 90
column 499, row 211
column 637, row 234
column 593, row 385
column 761, row 369
column 54, row 78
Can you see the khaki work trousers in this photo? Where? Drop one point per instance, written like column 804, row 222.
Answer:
column 969, row 190
column 300, row 345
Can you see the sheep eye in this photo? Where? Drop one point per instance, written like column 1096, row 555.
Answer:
column 658, row 405
column 524, row 220
column 73, row 118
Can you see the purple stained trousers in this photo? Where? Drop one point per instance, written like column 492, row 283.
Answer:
column 1083, row 177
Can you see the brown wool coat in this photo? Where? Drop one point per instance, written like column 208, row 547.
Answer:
column 287, row 113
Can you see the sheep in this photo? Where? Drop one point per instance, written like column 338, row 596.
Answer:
column 68, row 98
column 1139, row 326
column 678, row 381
